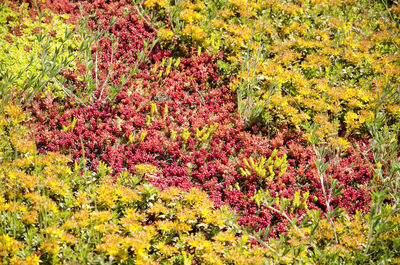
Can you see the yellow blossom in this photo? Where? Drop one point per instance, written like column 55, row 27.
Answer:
column 165, row 34
column 194, row 32
column 9, row 245
column 155, row 3
column 106, row 228
column 219, row 23
column 157, row 209
column 111, row 246
column 78, row 220
column 225, row 237
column 81, row 199
column 169, row 194
column 30, row 217
column 101, row 216
column 167, row 250
column 50, row 246
column 191, row 16
column 166, row 226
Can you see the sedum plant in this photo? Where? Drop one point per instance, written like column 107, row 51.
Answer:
column 295, row 62
column 35, row 50
column 52, row 214
column 336, row 236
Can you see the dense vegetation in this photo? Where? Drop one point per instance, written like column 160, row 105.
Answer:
column 199, row 132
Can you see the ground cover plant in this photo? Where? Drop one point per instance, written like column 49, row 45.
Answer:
column 178, row 132
column 325, row 62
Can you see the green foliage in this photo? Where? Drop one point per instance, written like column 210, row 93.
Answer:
column 33, row 52
column 265, row 169
column 206, row 133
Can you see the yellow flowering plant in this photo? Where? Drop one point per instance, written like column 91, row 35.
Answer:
column 33, row 58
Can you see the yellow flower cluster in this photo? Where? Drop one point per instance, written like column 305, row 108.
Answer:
column 155, row 3
column 353, row 234
column 194, row 32
column 13, row 136
column 165, row 34
column 143, row 169
column 190, row 16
